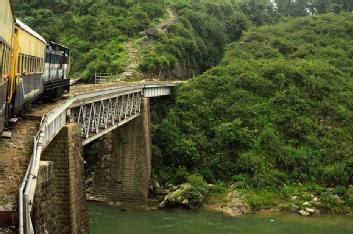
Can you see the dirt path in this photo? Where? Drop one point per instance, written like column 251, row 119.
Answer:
column 164, row 24
column 131, row 70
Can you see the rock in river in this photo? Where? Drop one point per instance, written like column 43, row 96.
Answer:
column 310, row 210
column 304, row 213
column 294, row 208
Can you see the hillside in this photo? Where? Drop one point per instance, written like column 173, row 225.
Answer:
column 275, row 117
column 95, row 31
column 171, row 39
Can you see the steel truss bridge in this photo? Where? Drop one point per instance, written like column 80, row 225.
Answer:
column 98, row 113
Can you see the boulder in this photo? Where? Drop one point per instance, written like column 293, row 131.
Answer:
column 156, row 189
column 294, row 208
column 310, row 210
column 234, row 207
column 304, row 213
column 315, row 199
column 186, row 196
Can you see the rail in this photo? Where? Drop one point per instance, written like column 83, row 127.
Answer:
column 50, row 126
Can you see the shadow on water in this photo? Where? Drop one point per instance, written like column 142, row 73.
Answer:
column 129, row 220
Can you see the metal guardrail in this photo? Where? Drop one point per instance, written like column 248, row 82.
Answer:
column 55, row 120
column 101, row 78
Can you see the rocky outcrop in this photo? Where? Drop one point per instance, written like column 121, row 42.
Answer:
column 235, row 205
column 306, row 208
column 156, row 190
column 304, row 213
column 185, row 196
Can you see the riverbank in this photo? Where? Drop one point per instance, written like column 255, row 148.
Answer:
column 109, row 219
column 304, row 200
column 236, row 199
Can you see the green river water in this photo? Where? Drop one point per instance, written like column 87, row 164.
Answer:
column 107, row 219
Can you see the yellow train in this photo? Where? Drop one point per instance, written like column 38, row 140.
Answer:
column 29, row 65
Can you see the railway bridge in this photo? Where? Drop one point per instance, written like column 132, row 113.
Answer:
column 52, row 196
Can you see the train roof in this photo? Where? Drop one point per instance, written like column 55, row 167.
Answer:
column 29, row 30
column 13, row 13
column 57, row 45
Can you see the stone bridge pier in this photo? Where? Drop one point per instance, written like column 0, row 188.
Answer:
column 60, row 201
column 122, row 174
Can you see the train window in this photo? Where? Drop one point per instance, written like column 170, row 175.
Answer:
column 31, row 64
column 25, row 65
column 1, row 58
column 5, row 62
column 23, row 61
column 18, row 64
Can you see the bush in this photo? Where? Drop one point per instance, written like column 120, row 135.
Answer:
column 198, row 191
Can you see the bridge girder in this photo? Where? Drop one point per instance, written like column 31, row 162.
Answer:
column 98, row 118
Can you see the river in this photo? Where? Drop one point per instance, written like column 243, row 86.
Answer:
column 107, row 219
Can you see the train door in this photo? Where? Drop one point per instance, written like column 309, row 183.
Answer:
column 11, row 82
column 3, row 86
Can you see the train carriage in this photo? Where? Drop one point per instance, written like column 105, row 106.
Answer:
column 7, row 20
column 57, row 67
column 29, row 65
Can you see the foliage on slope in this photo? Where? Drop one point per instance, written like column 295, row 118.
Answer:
column 325, row 37
column 95, row 31
column 277, row 111
column 197, row 38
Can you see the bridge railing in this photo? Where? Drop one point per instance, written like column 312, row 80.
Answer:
column 55, row 120
column 50, row 126
column 101, row 78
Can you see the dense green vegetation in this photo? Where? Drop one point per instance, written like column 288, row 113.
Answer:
column 95, row 31
column 276, row 115
column 196, row 39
